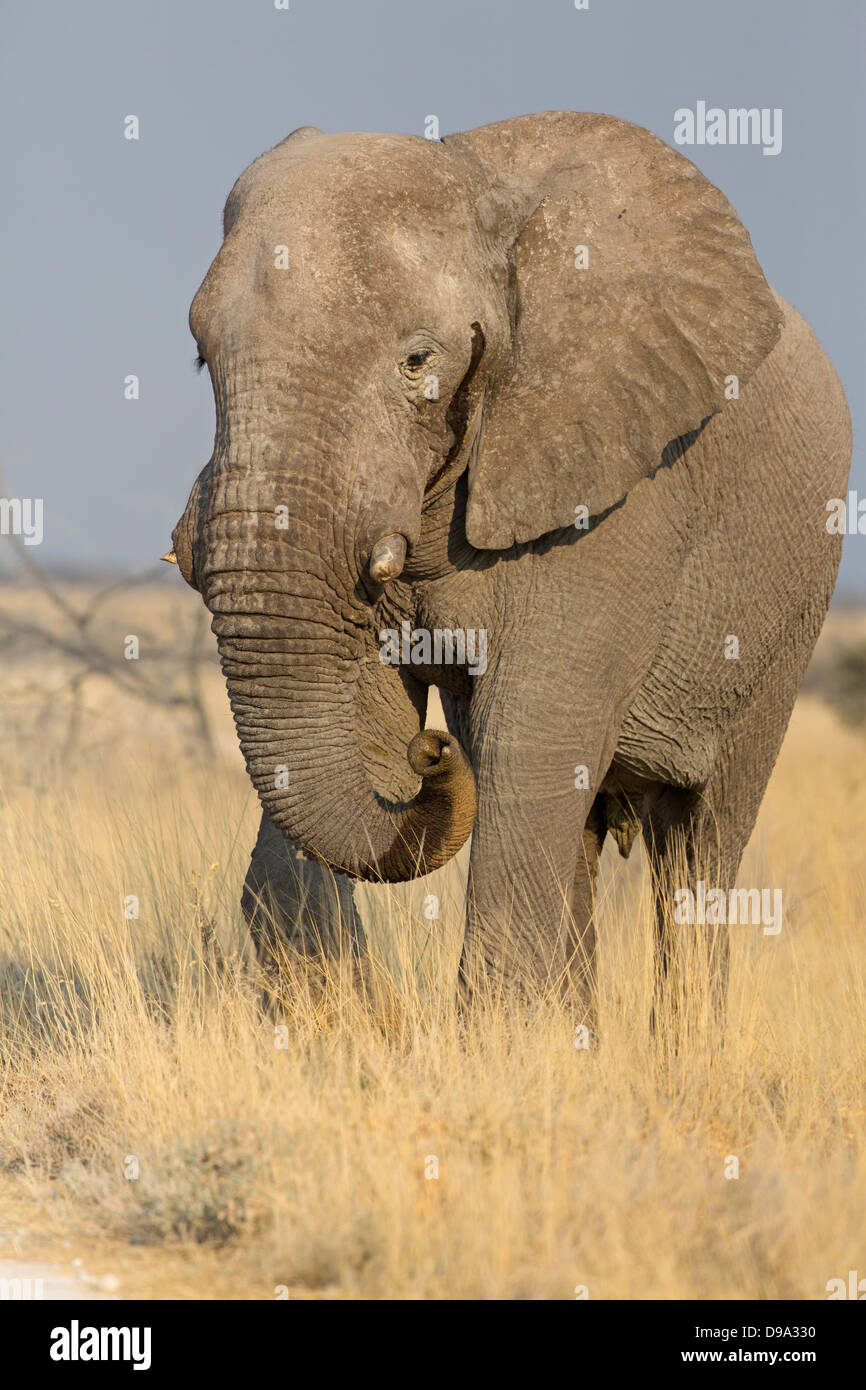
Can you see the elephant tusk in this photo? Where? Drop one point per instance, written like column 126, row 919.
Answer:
column 387, row 558
column 170, row 557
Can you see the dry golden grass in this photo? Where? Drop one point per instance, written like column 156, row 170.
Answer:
column 304, row 1166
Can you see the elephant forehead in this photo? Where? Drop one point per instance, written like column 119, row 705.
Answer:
column 349, row 230
column 266, row 279
column 332, row 179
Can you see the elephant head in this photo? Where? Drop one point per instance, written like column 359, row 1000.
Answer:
column 384, row 309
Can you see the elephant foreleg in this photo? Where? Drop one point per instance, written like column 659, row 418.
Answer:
column 541, row 750
column 299, row 913
column 530, row 865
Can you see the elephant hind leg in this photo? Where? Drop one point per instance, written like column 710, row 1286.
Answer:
column 674, row 833
column 701, row 836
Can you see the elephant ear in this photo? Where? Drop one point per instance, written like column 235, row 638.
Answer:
column 634, row 296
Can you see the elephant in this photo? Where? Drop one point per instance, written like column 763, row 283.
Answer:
column 517, row 415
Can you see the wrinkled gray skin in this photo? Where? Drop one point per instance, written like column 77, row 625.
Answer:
column 559, row 388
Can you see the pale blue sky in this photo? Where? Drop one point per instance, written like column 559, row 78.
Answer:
column 106, row 240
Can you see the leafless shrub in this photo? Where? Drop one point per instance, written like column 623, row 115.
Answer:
column 70, row 625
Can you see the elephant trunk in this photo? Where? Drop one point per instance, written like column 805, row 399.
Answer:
column 292, row 632
column 301, row 751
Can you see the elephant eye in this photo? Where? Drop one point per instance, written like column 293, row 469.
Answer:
column 417, row 359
